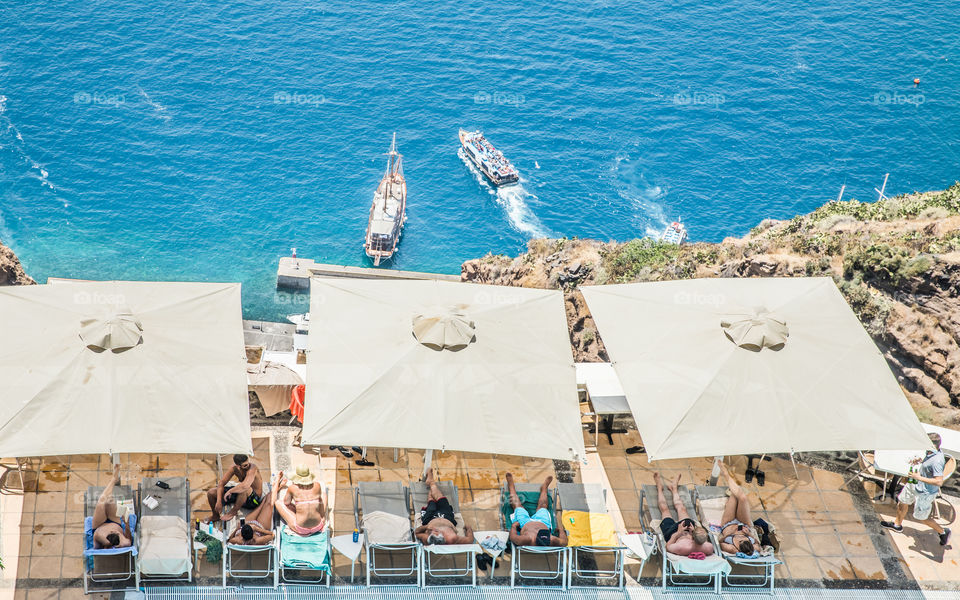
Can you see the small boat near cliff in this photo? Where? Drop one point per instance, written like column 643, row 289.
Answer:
column 675, row 233
column 491, row 162
column 388, row 212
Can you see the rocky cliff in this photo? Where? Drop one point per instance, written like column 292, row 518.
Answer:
column 11, row 271
column 897, row 261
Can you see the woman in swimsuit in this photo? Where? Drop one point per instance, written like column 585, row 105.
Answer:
column 304, row 506
column 737, row 533
column 257, row 529
column 108, row 530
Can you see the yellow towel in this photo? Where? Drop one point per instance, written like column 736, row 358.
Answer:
column 589, row 529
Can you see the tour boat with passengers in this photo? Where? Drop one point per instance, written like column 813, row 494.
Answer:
column 491, row 162
column 388, row 212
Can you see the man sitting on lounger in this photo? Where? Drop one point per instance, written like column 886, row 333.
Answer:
column 685, row 537
column 737, row 534
column 246, row 494
column 438, row 525
column 107, row 529
column 532, row 530
column 256, row 529
column 303, row 508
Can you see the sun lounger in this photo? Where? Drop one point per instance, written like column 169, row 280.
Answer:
column 300, row 555
column 529, row 494
column 710, row 501
column 419, row 492
column 113, row 565
column 388, row 536
column 246, row 561
column 679, row 571
column 592, row 536
column 166, row 538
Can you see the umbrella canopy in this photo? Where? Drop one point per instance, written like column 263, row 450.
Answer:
column 741, row 366
column 118, row 366
column 441, row 365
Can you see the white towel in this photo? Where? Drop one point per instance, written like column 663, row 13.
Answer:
column 164, row 545
column 385, row 528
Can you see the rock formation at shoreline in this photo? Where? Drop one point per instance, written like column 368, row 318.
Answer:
column 896, row 261
column 11, row 271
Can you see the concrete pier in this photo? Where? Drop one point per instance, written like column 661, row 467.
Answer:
column 295, row 273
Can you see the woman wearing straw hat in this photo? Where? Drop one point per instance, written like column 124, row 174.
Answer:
column 304, row 505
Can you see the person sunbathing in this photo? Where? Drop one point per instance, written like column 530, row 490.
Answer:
column 737, row 535
column 683, row 537
column 108, row 532
column 304, row 505
column 256, row 530
column 438, row 524
column 532, row 530
column 246, row 494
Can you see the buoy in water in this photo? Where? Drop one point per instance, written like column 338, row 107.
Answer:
column 916, row 81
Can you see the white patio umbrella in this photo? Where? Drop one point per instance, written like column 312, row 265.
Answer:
column 750, row 366
column 119, row 366
column 441, row 365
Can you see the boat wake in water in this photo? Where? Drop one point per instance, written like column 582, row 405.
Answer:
column 514, row 200
column 8, row 128
column 643, row 197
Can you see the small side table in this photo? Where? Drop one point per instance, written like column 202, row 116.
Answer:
column 345, row 545
column 503, row 536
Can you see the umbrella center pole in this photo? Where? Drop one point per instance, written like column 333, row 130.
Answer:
column 427, row 462
column 715, row 473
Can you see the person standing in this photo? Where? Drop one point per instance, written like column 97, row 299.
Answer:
column 921, row 494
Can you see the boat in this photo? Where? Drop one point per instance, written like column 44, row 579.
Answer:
column 301, row 322
column 675, row 233
column 491, row 162
column 388, row 212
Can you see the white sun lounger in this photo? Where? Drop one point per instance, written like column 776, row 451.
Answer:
column 243, row 561
column 300, row 555
column 710, row 501
column 590, row 498
column 419, row 492
column 385, row 523
column 113, row 565
column 166, row 539
column 517, row 570
column 679, row 571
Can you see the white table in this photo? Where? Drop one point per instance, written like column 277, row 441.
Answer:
column 897, row 462
column 345, row 545
column 503, row 536
column 604, row 393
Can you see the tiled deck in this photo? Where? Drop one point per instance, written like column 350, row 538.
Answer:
column 830, row 536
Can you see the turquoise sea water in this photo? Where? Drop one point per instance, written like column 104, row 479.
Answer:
column 203, row 140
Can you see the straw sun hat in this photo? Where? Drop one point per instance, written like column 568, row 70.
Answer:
column 303, row 477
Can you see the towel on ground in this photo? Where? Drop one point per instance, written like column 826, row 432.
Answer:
column 589, row 529
column 384, row 528
column 164, row 545
column 304, row 551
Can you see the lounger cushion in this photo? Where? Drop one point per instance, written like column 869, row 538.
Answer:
column 164, row 545
column 712, row 564
column 589, row 529
column 305, row 552
column 385, row 528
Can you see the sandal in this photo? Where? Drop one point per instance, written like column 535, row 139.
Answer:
column 346, row 453
column 636, row 450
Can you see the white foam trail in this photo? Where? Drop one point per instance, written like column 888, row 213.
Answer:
column 632, row 186
column 513, row 198
column 159, row 108
column 18, row 147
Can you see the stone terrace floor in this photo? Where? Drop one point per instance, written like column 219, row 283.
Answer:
column 830, row 535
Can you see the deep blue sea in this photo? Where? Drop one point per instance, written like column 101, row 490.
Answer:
column 202, row 140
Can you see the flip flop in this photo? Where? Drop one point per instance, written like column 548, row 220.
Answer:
column 346, row 453
column 364, row 463
column 357, row 449
column 636, row 450
column 761, row 477
column 748, row 475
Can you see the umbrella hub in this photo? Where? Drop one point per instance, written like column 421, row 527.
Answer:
column 444, row 328
column 756, row 330
column 117, row 332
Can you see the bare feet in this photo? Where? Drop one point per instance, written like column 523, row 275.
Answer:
column 656, row 478
column 275, row 488
column 429, row 478
column 676, row 484
column 116, row 474
column 509, row 478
